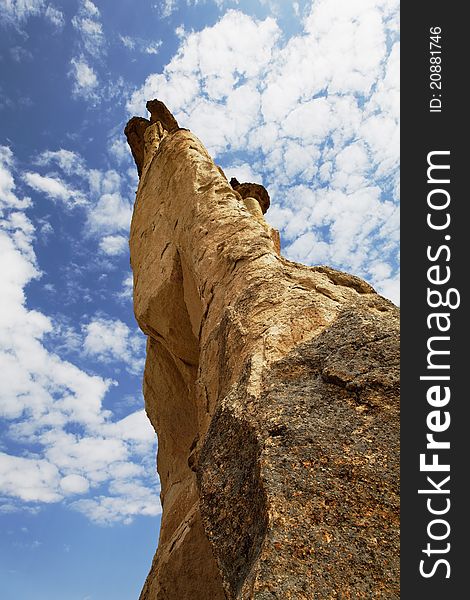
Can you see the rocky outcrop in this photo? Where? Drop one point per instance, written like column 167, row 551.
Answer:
column 252, row 190
column 273, row 388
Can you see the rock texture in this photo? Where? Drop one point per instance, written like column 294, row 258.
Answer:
column 273, row 388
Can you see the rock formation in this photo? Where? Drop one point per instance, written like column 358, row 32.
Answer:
column 272, row 386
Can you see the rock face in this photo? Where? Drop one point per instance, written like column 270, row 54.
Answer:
column 273, row 388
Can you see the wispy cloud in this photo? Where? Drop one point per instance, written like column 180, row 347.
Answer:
column 85, row 80
column 125, row 293
column 128, row 41
column 90, row 47
column 140, row 44
column 88, row 24
column 17, row 12
column 153, row 47
column 20, row 54
column 166, row 8
column 8, row 196
column 55, row 16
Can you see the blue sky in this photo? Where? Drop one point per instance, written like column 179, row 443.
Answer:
column 302, row 97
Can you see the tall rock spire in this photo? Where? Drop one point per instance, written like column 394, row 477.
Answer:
column 273, row 388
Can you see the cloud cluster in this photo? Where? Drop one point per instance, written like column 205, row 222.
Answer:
column 17, row 12
column 103, row 195
column 315, row 117
column 72, row 445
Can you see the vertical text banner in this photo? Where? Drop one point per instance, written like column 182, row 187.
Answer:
column 435, row 240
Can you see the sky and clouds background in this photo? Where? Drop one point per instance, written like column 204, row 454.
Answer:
column 300, row 96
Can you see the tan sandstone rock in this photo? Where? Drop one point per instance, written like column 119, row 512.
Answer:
column 273, row 388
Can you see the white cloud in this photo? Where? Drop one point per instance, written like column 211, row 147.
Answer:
column 127, row 41
column 134, row 427
column 85, row 79
column 19, row 54
column 74, row 484
column 119, row 150
column 111, row 213
column 32, row 480
column 108, row 212
column 8, row 197
column 390, row 288
column 215, row 60
column 110, row 341
column 243, row 172
column 300, row 160
column 54, row 188
column 126, row 291
column 140, row 44
column 132, row 501
column 16, row 11
column 87, row 23
column 380, row 128
column 70, row 162
column 99, row 193
column 167, row 7
column 36, row 383
column 112, row 245
column 85, row 455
